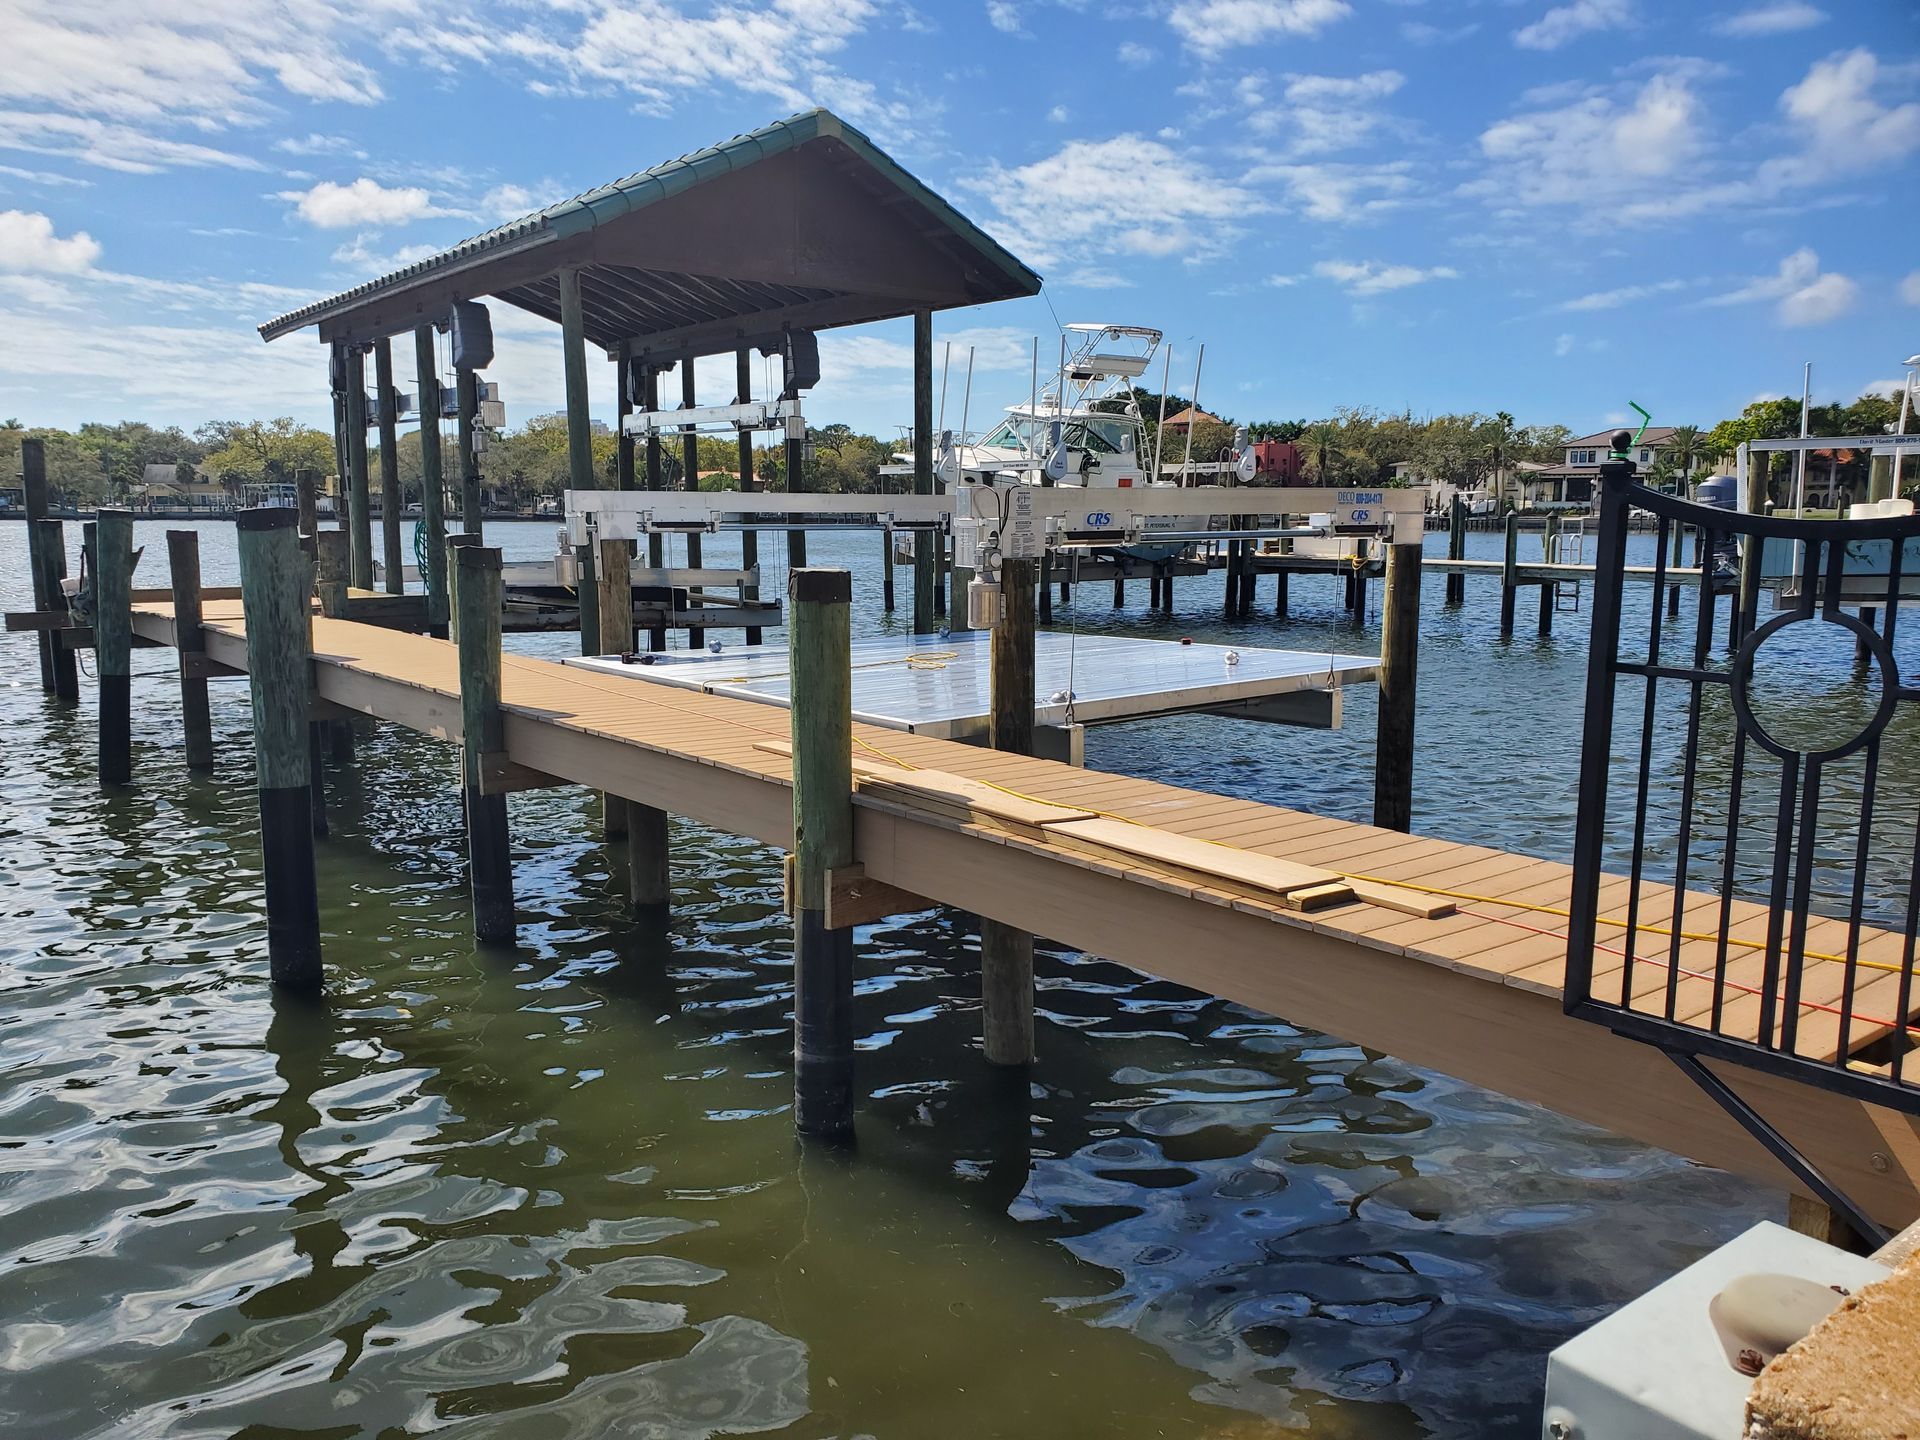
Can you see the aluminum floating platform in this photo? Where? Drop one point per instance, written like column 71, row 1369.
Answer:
column 939, row 686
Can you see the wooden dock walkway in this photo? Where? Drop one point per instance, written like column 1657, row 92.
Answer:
column 1474, row 993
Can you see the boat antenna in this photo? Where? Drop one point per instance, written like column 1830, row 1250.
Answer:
column 946, row 361
column 1160, row 430
column 1033, row 404
column 1193, row 414
column 966, row 396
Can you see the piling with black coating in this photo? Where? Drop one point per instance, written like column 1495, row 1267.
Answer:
column 433, row 499
column 47, row 565
column 1457, row 549
column 1006, row 954
column 183, row 571
column 330, row 589
column 1679, row 553
column 1509, row 591
column 1280, row 594
column 1045, row 587
column 359, row 505
column 1549, row 590
column 1399, row 663
column 886, row 570
column 615, row 610
column 113, row 641
column 822, row 718
column 273, row 595
column 749, row 541
column 489, row 860
column 386, row 413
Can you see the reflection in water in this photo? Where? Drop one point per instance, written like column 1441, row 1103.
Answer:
column 555, row 1191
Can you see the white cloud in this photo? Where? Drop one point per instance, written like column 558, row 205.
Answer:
column 1779, row 18
column 1369, row 277
column 1322, row 113
column 1213, row 26
column 1834, row 111
column 333, row 206
column 1004, row 16
column 1614, row 299
column 1069, row 205
column 1341, row 192
column 111, row 146
column 1566, row 23
column 1593, row 151
column 28, row 245
column 42, row 177
column 1419, row 32
column 360, row 255
column 1910, row 288
column 315, row 143
column 1059, row 115
column 1132, row 52
column 1803, row 294
column 1563, row 345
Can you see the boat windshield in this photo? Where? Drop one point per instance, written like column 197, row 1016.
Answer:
column 1016, row 434
column 1102, row 436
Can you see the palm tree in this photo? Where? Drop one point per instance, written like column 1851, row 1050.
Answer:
column 1324, row 438
column 1685, row 447
column 1500, row 450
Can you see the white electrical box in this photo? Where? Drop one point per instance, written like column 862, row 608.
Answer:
column 1665, row 1367
column 1021, row 537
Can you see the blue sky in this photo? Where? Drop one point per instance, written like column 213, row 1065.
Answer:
column 1547, row 208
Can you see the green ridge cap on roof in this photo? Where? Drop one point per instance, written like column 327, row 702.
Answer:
column 634, row 192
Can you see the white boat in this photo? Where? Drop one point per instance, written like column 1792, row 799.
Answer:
column 1083, row 427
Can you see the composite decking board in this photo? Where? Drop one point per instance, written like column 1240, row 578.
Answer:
column 723, row 731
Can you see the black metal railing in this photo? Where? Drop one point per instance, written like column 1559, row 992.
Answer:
column 1749, row 805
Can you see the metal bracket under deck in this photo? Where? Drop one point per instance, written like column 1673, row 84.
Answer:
column 1757, row 1125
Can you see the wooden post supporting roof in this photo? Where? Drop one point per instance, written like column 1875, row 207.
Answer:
column 925, row 560
column 273, row 584
column 690, row 480
column 433, row 492
column 656, row 480
column 359, row 506
column 822, row 716
column 749, row 540
column 393, row 557
column 580, row 472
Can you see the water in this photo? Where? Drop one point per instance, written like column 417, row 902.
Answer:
column 556, row 1193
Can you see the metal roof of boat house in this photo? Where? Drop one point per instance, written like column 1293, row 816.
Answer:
column 805, row 224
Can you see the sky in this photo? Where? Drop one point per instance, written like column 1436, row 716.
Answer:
column 1551, row 209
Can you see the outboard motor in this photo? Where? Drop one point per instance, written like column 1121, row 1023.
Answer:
column 1721, row 492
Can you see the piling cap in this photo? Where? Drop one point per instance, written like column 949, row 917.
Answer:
column 478, row 557
column 820, row 586
column 267, row 517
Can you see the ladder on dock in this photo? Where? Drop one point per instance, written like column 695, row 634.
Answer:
column 1567, row 545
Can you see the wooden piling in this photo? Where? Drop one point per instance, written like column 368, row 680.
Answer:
column 1509, row 592
column 822, row 716
column 749, row 540
column 113, row 641
column 1399, row 657
column 657, row 480
column 273, row 588
column 690, row 480
column 466, row 389
column 433, row 491
column 477, row 596
column 1006, row 954
column 1280, row 598
column 455, row 544
column 580, row 471
column 183, row 570
column 1457, row 549
column 393, row 557
column 306, row 499
column 1677, row 560
column 616, row 638
column 1119, row 585
column 886, row 570
column 47, row 567
column 1549, row 589
column 1045, row 587
column 359, row 506
column 925, row 558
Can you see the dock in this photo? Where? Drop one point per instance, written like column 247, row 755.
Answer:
column 1444, row 955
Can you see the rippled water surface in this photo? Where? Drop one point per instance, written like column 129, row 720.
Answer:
column 554, row 1192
